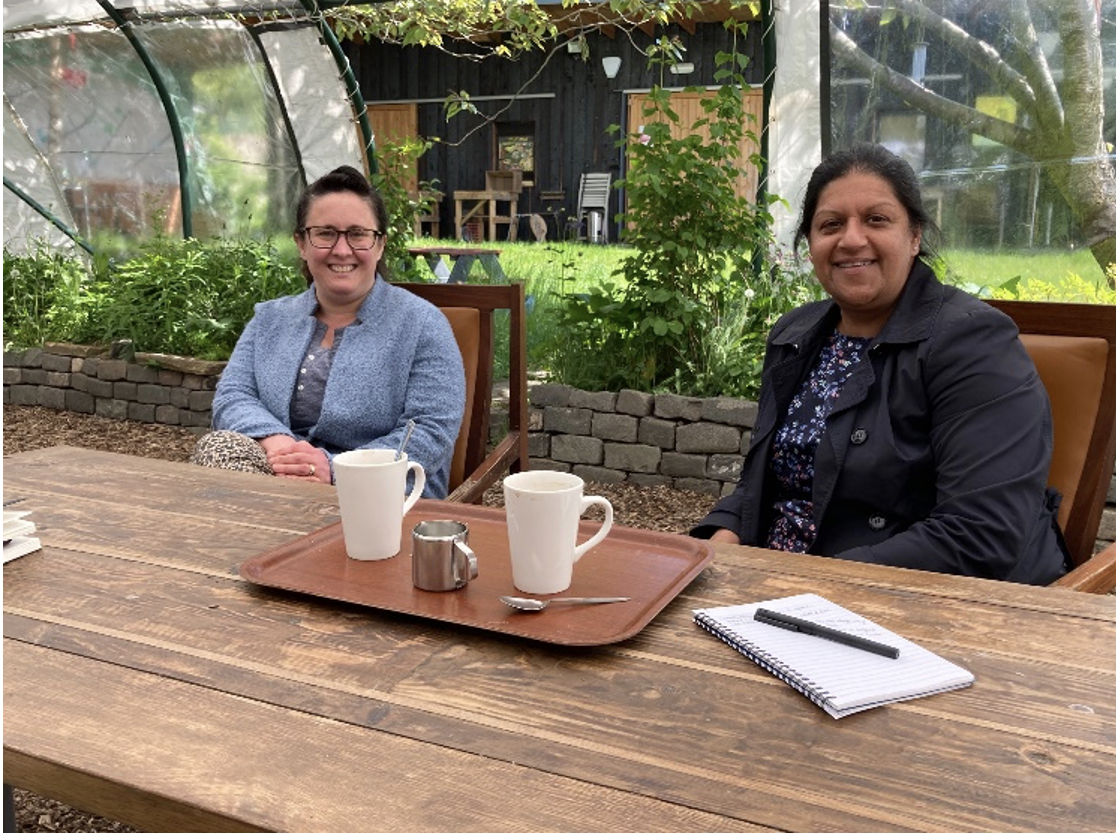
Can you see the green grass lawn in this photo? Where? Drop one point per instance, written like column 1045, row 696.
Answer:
column 550, row 269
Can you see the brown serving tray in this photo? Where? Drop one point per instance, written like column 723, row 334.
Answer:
column 650, row 567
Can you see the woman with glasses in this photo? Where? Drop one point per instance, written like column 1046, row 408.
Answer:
column 343, row 365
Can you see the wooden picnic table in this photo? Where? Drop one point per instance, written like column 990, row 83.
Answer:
column 146, row 681
column 484, row 203
column 461, row 260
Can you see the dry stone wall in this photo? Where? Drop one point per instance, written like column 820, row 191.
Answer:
column 159, row 389
column 650, row 440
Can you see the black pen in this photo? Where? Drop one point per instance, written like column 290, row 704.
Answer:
column 789, row 623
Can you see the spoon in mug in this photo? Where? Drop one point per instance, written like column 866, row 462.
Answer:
column 526, row 604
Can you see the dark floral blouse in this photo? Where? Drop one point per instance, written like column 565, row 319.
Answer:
column 793, row 528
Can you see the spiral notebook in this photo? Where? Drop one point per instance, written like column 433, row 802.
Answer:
column 838, row 678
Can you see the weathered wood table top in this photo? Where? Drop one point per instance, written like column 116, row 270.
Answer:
column 144, row 680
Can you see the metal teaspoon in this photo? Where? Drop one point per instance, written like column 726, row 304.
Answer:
column 526, row 604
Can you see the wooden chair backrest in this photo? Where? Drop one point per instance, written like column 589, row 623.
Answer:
column 1074, row 350
column 470, row 310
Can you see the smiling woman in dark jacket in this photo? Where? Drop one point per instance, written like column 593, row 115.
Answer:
column 901, row 422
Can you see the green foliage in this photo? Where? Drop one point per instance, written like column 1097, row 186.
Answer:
column 42, row 296
column 698, row 249
column 185, row 297
column 397, row 162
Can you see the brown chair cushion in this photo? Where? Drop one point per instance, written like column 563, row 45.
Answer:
column 1072, row 369
column 465, row 323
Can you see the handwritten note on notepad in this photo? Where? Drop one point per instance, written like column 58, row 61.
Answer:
column 838, row 678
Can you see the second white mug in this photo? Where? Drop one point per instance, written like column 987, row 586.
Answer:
column 544, row 509
column 371, row 490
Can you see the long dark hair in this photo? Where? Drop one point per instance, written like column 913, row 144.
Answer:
column 341, row 179
column 875, row 160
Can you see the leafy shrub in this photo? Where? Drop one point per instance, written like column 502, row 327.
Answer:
column 185, row 296
column 397, row 161
column 42, row 296
column 698, row 289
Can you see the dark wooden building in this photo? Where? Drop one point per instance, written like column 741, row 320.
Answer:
column 547, row 115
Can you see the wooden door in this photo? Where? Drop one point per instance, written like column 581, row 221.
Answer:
column 687, row 104
column 396, row 122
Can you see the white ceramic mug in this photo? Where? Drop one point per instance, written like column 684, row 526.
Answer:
column 372, row 490
column 544, row 509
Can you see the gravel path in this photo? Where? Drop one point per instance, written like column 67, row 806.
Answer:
column 28, row 428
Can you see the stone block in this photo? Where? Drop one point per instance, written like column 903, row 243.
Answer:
column 93, row 386
column 112, row 408
column 89, row 366
column 543, row 464
column 141, row 412
column 203, row 400
column 669, row 406
column 78, row 401
column 695, row 484
column 125, row 390
column 602, row 402
column 538, row 445
column 32, row 357
column 724, row 467
column 167, row 414
column 596, row 474
column 14, row 357
column 657, row 432
column 615, row 426
column 58, row 379
column 180, row 396
column 112, row 369
column 726, row 411
column 576, row 449
column 195, row 418
column 142, row 374
column 55, row 363
column 52, row 397
column 534, row 419
column 637, row 458
column 650, row 480
column 550, row 395
column 683, row 465
column 13, row 375
column 34, row 375
column 707, row 438
column 153, row 394
column 568, row 420
column 634, row 403
column 170, row 378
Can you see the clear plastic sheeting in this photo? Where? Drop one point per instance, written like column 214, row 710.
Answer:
column 322, row 122
column 94, row 116
column 24, row 225
column 206, row 121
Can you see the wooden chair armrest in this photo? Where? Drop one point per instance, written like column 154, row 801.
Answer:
column 1096, row 576
column 474, row 486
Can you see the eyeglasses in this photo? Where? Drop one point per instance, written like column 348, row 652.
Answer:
column 359, row 238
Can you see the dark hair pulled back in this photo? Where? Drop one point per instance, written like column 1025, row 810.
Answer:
column 341, row 179
column 873, row 159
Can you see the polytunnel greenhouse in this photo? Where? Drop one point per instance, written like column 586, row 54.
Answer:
column 181, row 117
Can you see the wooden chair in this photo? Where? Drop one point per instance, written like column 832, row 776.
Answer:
column 470, row 310
column 1074, row 349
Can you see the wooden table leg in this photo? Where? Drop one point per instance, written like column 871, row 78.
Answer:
column 491, row 264
column 457, row 218
column 461, row 266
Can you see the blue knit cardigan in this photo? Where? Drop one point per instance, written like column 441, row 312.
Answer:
column 398, row 361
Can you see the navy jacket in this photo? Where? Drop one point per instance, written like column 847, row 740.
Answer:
column 936, row 454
